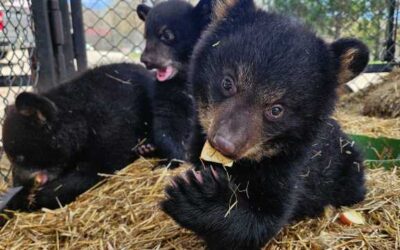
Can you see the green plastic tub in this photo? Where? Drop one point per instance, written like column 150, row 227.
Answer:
column 379, row 152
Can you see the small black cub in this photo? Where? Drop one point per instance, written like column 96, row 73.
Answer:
column 171, row 31
column 59, row 141
column 265, row 87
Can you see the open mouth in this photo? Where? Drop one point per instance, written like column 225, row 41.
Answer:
column 36, row 176
column 165, row 73
column 40, row 178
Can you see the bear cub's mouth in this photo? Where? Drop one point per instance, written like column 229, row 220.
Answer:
column 37, row 176
column 165, row 73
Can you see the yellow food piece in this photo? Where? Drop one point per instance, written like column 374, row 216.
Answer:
column 212, row 155
column 351, row 217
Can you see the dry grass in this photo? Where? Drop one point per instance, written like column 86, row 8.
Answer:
column 370, row 126
column 385, row 100
column 122, row 213
column 353, row 103
column 5, row 173
column 381, row 99
column 381, row 209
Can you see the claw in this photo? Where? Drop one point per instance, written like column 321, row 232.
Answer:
column 185, row 177
column 214, row 173
column 141, row 150
column 150, row 147
column 145, row 149
column 198, row 176
column 173, row 183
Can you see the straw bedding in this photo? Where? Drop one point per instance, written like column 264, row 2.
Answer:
column 358, row 112
column 380, row 100
column 370, row 126
column 122, row 213
column 384, row 101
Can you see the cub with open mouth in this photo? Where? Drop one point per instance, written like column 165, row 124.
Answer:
column 265, row 87
column 171, row 31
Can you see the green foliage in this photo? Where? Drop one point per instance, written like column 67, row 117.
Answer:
column 363, row 19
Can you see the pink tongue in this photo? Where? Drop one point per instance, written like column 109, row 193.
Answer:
column 164, row 73
column 41, row 178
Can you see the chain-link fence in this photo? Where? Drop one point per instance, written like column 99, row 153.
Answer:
column 114, row 33
column 18, row 68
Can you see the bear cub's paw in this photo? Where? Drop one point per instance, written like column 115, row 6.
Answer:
column 146, row 149
column 197, row 194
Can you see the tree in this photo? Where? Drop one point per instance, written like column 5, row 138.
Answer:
column 364, row 19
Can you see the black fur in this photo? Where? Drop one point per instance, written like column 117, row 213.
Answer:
column 172, row 102
column 272, row 116
column 71, row 133
column 359, row 63
column 185, row 23
column 173, row 114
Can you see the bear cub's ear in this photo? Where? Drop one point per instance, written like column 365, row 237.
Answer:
column 36, row 106
column 203, row 9
column 222, row 8
column 142, row 10
column 353, row 57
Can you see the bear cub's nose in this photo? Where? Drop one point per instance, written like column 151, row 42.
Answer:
column 223, row 145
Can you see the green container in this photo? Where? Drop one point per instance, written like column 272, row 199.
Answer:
column 380, row 151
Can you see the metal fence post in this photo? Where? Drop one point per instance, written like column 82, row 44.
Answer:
column 390, row 43
column 68, row 46
column 44, row 47
column 57, row 28
column 78, row 35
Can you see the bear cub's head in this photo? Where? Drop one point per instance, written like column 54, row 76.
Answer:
column 171, row 31
column 264, row 83
column 33, row 140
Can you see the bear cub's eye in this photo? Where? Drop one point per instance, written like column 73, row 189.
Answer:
column 167, row 35
column 275, row 111
column 228, row 86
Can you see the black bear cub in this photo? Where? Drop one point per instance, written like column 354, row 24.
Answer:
column 59, row 141
column 171, row 31
column 265, row 87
